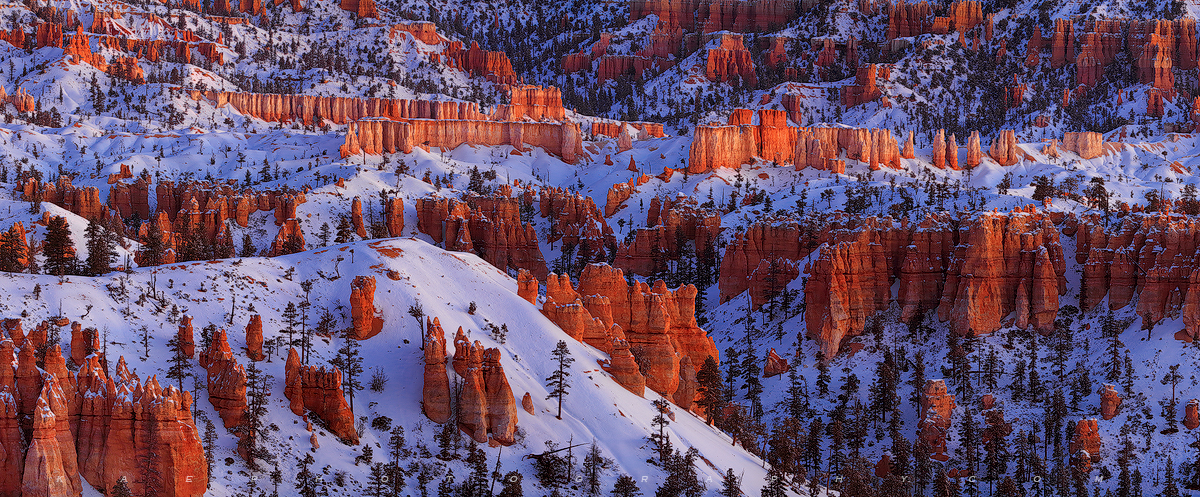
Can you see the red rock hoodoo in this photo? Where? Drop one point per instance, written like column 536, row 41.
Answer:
column 367, row 320
column 936, row 407
column 1110, row 401
column 436, row 390
column 254, row 338
column 319, row 391
column 226, row 381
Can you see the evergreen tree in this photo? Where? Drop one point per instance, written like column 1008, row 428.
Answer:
column 812, row 450
column 796, row 399
column 345, row 230
column 752, row 384
column 823, row 378
column 1110, row 331
column 558, row 381
column 58, row 248
column 248, row 248
column 291, row 320
column 1170, row 486
column 447, row 487
column 733, row 368
column 512, row 485
column 594, row 464
column 101, row 245
column 710, row 390
column 730, row 484
column 308, row 484
column 121, row 489
column 1170, row 410
column 180, row 367
column 254, row 429
column 12, row 251
column 661, row 441
column 626, row 486
column 350, row 361
column 154, row 248
column 476, row 484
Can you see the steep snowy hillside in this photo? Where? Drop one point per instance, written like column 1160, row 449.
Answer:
column 142, row 309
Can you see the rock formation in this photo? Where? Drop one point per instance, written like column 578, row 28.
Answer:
column 1148, row 256
column 393, row 215
column 436, row 390
column 1004, row 148
column 527, row 286
column 501, row 404
column 936, row 407
column 44, row 474
column 668, row 222
column 319, row 391
column 1088, row 144
column 254, row 339
column 623, row 366
column 938, row 267
column 226, row 381
column 863, row 90
column 1085, row 445
column 339, row 110
column 775, row 365
column 376, row 136
column 364, row 8
column 1191, row 414
column 527, row 403
column 12, row 462
column 974, row 154
column 685, row 394
column 495, row 221
column 356, row 218
column 1110, row 400
column 472, row 401
column 729, row 62
column 367, row 321
column 738, row 142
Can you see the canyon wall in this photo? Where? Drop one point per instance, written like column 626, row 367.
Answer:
column 86, row 427
column 490, row 226
column 376, row 136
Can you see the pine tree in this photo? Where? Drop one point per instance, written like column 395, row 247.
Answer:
column 1170, row 410
column 1170, row 486
column 121, row 489
column 626, row 486
column 180, row 367
column 823, row 378
column 733, row 368
column 350, row 361
column 710, row 390
column 752, row 384
column 796, row 399
column 291, row 320
column 307, row 482
column 248, row 248
column 558, row 381
column 512, row 485
column 58, row 248
column 154, row 248
column 101, row 245
column 210, row 439
column 345, row 231
column 812, row 450
column 254, row 430
column 594, row 464
column 730, row 484
column 661, row 441
column 12, row 250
